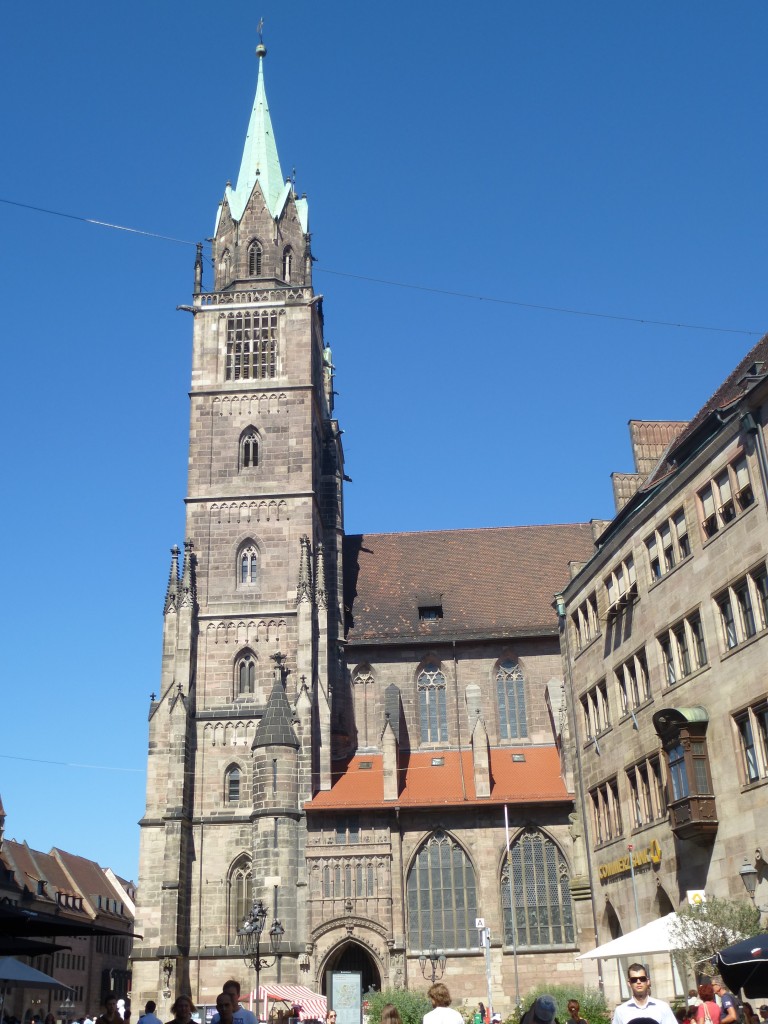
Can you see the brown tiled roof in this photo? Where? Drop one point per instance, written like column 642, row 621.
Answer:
column 90, row 880
column 733, row 387
column 537, row 779
column 492, row 582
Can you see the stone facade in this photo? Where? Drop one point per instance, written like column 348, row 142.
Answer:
column 335, row 711
column 669, row 697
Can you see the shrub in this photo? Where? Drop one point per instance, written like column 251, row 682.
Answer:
column 411, row 1005
column 591, row 1000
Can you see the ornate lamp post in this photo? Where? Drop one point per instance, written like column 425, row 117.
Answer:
column 249, row 937
column 436, row 961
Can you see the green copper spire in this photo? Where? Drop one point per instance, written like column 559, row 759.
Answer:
column 260, row 160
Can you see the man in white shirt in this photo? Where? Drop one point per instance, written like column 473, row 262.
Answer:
column 641, row 1005
column 441, row 1012
column 241, row 1015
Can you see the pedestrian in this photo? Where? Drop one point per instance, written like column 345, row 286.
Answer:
column 641, row 1004
column 729, row 1008
column 574, row 1012
column 707, row 1012
column 750, row 1017
column 330, row 1017
column 441, row 1012
column 543, row 1010
column 182, row 1010
column 241, row 1015
column 49, row 1019
column 763, row 1010
column 693, row 997
column 225, row 1007
column 390, row 1014
column 149, row 1016
column 110, row 1015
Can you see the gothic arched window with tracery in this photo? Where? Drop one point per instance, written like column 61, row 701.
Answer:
column 362, row 695
column 248, row 567
column 239, row 896
column 441, row 896
column 249, row 448
column 536, row 894
column 510, row 693
column 432, row 704
column 232, row 779
column 254, row 259
column 245, row 673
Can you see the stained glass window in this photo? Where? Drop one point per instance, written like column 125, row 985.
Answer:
column 536, row 899
column 442, row 902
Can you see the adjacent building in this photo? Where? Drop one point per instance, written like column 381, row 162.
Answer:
column 665, row 641
column 71, row 889
column 342, row 720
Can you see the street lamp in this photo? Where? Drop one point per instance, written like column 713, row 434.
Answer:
column 66, row 1008
column 749, row 877
column 436, row 960
column 249, row 937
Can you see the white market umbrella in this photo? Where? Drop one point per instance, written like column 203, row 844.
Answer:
column 653, row 937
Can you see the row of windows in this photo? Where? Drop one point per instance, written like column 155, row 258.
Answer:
column 69, row 961
column 743, row 608
column 647, row 801
column 441, row 893
column 719, row 502
column 255, row 261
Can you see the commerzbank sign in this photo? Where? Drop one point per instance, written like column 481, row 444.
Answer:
column 642, row 858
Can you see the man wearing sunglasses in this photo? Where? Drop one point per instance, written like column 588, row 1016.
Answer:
column 641, row 1005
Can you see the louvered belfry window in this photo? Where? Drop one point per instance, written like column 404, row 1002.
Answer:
column 442, row 900
column 252, row 345
column 538, row 900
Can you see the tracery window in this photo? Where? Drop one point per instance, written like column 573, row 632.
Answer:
column 287, row 263
column 510, row 690
column 349, row 879
column 232, row 785
column 239, row 892
column 252, row 344
column 536, row 901
column 249, row 566
column 254, row 259
column 245, row 673
column 442, row 901
column 362, row 689
column 225, row 265
column 432, row 704
column 249, row 449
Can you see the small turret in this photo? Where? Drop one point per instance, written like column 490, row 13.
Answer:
column 172, row 591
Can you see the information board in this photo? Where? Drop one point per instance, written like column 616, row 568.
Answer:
column 345, row 996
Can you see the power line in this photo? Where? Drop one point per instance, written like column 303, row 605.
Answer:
column 534, row 305
column 566, row 310
column 73, row 764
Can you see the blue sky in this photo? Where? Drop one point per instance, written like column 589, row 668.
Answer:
column 600, row 157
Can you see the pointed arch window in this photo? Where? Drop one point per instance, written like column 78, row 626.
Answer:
column 441, row 895
column 510, row 692
column 248, row 568
column 245, row 673
column 362, row 691
column 254, row 259
column 232, row 785
column 535, row 893
column 432, row 704
column 225, row 265
column 252, row 345
column 249, row 449
column 239, row 892
column 287, row 263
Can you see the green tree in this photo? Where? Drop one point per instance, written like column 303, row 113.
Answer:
column 591, row 1001
column 702, row 929
column 411, row 1005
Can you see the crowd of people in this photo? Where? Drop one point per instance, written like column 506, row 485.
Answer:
column 710, row 1003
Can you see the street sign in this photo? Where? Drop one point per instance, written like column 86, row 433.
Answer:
column 479, row 922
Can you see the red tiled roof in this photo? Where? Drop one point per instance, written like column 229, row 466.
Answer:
column 535, row 780
column 491, row 582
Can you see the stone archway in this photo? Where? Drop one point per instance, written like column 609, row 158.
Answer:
column 352, row 956
column 611, row 921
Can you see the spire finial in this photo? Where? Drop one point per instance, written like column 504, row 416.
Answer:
column 172, row 591
column 261, row 50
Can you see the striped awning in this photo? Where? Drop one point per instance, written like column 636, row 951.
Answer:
column 308, row 1003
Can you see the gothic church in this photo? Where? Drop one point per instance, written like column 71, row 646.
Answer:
column 343, row 722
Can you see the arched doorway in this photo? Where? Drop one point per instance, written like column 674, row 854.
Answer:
column 663, row 902
column 351, row 956
column 611, row 921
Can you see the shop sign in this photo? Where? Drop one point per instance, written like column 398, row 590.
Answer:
column 642, row 858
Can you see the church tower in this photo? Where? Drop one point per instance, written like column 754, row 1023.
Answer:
column 240, row 732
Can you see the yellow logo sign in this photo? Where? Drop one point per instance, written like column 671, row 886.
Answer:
column 650, row 854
